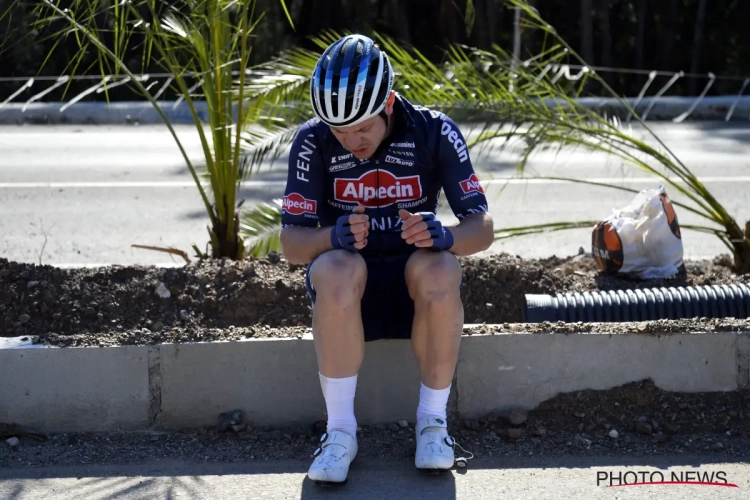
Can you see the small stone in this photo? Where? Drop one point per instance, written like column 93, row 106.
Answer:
column 717, row 446
column 239, row 427
column 540, row 431
column 157, row 327
column 12, row 442
column 162, row 291
column 514, row 433
column 614, row 434
column 403, row 424
column 393, row 427
column 643, row 428
column 24, row 318
column 184, row 315
column 517, row 417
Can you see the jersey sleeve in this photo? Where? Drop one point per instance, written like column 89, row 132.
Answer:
column 303, row 195
column 460, row 183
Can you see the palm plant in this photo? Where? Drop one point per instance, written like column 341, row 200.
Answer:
column 518, row 103
column 205, row 45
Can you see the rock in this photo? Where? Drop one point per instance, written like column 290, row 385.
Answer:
column 162, row 291
column 643, row 427
column 24, row 318
column 614, row 434
column 239, row 427
column 403, row 424
column 517, row 417
column 514, row 433
column 13, row 442
column 394, row 427
column 230, row 418
column 157, row 327
column 184, row 315
column 717, row 446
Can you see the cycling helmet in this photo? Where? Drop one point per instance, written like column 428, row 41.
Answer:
column 351, row 83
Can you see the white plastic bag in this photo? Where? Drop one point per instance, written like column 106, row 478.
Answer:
column 642, row 240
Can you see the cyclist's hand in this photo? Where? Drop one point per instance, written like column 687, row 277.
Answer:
column 351, row 231
column 425, row 231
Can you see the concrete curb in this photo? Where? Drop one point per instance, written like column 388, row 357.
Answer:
column 122, row 113
column 275, row 382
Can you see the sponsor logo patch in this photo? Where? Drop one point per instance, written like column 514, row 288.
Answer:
column 472, row 185
column 398, row 161
column 453, row 138
column 377, row 188
column 296, row 204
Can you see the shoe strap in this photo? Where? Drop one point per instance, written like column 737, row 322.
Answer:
column 432, row 423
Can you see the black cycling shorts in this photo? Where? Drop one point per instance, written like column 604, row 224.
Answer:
column 387, row 308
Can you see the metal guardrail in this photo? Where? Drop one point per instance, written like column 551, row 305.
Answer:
column 560, row 71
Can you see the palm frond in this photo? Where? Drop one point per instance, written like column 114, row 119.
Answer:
column 260, row 227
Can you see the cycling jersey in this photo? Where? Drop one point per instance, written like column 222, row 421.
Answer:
column 424, row 154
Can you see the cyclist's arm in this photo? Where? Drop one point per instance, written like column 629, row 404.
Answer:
column 474, row 232
column 301, row 238
column 300, row 245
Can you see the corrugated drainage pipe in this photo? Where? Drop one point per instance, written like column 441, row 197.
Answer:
column 715, row 301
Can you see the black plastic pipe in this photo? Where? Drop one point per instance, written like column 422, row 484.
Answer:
column 645, row 304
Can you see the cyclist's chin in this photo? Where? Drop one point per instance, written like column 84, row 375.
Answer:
column 362, row 153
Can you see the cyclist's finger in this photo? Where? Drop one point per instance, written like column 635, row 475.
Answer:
column 358, row 218
column 411, row 231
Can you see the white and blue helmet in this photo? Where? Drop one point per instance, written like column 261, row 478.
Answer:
column 351, row 83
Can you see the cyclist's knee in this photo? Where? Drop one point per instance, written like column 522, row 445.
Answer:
column 429, row 272
column 339, row 275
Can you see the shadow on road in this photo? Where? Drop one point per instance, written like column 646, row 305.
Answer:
column 396, row 478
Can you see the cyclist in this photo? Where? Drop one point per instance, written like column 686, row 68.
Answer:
column 360, row 206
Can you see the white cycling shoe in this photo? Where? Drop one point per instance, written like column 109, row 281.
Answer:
column 331, row 465
column 434, row 445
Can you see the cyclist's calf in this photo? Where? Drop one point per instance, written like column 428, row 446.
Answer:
column 338, row 278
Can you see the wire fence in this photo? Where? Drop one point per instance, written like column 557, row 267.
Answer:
column 27, row 92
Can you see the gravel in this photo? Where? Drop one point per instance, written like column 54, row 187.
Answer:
column 637, row 419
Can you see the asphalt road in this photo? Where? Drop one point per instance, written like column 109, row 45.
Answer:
column 533, row 478
column 74, row 195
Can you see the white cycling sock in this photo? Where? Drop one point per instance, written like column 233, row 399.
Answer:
column 339, row 395
column 433, row 402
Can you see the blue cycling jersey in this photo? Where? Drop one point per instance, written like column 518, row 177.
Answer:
column 424, row 154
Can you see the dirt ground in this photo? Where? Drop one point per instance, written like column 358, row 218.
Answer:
column 636, row 419
column 267, row 297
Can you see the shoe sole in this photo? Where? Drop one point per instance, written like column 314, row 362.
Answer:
column 331, row 484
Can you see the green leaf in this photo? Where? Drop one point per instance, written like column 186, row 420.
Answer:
column 261, row 228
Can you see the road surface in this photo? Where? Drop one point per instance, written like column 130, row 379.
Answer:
column 75, row 195
column 533, row 478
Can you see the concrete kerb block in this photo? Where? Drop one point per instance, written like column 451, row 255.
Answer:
column 275, row 382
column 503, row 371
column 74, row 389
